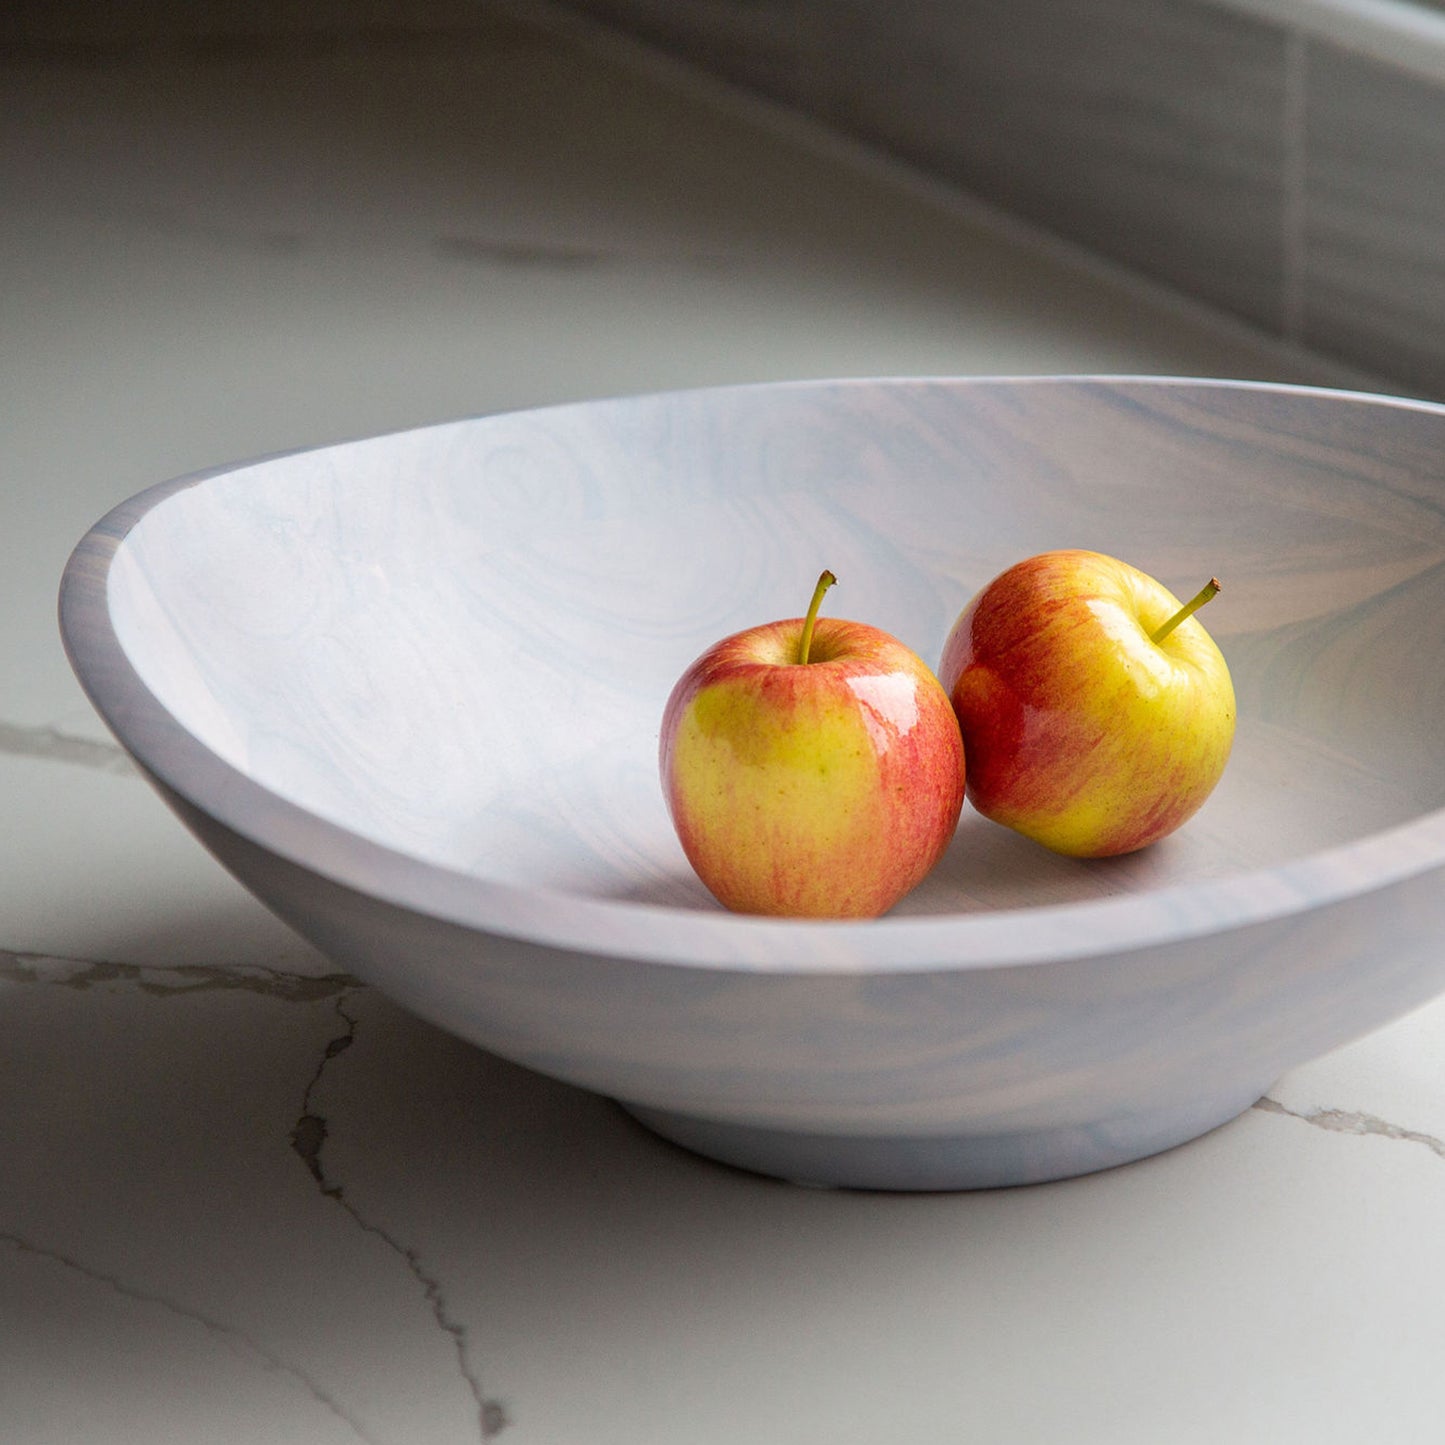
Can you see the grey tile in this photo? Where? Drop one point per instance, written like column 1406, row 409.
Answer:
column 1373, row 253
column 1153, row 131
column 1150, row 130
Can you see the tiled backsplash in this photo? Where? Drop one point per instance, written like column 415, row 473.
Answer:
column 1279, row 172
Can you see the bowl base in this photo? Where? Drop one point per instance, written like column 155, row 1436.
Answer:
column 945, row 1161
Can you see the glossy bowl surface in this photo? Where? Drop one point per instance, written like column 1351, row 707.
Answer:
column 408, row 690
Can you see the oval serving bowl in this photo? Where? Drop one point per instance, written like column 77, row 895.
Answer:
column 408, row 691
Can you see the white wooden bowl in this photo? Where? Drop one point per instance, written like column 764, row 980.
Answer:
column 408, row 690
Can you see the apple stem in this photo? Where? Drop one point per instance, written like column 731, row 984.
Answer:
column 806, row 645
column 1188, row 610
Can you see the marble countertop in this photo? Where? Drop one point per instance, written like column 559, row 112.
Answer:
column 244, row 1198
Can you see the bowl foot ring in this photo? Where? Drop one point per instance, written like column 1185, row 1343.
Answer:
column 946, row 1161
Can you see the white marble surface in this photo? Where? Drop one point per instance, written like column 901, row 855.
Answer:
column 244, row 1199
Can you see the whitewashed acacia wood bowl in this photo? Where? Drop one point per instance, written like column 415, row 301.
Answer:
column 408, row 690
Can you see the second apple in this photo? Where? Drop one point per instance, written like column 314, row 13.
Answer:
column 1097, row 713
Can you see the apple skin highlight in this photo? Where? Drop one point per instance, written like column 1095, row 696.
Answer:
column 1082, row 731
column 825, row 789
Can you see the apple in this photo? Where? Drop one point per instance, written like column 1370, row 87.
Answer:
column 1097, row 712
column 813, row 767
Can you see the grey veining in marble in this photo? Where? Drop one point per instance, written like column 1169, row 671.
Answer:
column 450, row 1184
column 204, row 1290
column 1357, row 1122
column 573, row 1256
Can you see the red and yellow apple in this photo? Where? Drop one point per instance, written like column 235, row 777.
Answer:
column 1097, row 712
column 812, row 767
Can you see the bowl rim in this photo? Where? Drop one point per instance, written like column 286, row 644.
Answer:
column 184, row 766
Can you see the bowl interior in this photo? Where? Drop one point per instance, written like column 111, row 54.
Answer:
column 457, row 642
